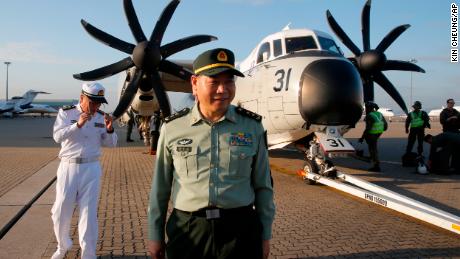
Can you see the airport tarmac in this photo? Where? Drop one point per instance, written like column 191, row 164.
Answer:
column 312, row 221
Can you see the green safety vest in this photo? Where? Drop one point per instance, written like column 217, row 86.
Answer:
column 378, row 125
column 416, row 120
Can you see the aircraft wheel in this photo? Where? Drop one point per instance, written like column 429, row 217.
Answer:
column 310, row 167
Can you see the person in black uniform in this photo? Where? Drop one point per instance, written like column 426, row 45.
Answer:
column 375, row 126
column 450, row 118
column 418, row 120
column 444, row 152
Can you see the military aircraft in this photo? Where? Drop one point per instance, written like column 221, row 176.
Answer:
column 298, row 80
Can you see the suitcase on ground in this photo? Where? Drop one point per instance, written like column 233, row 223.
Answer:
column 409, row 159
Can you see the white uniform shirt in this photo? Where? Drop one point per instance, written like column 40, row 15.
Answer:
column 84, row 142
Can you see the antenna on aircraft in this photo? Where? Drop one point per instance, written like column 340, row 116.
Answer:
column 287, row 27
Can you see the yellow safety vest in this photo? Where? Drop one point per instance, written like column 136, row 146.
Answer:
column 416, row 119
column 378, row 125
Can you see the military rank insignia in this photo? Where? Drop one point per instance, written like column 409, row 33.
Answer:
column 99, row 125
column 240, row 139
column 183, row 150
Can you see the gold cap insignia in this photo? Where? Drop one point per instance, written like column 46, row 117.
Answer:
column 101, row 93
column 222, row 56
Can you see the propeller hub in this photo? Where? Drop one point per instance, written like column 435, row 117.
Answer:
column 146, row 57
column 372, row 61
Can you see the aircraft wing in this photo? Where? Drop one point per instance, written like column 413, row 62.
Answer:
column 175, row 84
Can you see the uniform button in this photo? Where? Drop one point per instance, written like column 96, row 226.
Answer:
column 211, row 184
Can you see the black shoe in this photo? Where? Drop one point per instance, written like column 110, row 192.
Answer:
column 374, row 169
column 129, row 140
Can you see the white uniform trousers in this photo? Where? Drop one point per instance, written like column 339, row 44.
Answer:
column 77, row 184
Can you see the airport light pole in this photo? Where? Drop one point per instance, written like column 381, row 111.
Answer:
column 412, row 60
column 7, row 63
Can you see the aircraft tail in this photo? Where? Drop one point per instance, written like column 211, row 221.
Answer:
column 27, row 99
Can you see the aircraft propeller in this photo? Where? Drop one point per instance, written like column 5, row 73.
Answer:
column 371, row 62
column 148, row 57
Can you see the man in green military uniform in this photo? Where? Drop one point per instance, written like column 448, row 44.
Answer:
column 375, row 126
column 418, row 120
column 212, row 163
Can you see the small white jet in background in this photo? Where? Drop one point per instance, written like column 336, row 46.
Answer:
column 23, row 104
column 436, row 112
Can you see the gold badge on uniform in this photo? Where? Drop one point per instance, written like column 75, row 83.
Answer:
column 222, row 56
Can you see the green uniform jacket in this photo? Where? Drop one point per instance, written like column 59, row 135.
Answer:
column 201, row 164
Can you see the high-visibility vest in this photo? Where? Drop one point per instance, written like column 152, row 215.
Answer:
column 416, row 119
column 378, row 125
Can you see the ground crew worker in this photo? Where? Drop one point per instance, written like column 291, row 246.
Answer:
column 130, row 123
column 450, row 117
column 418, row 120
column 444, row 153
column 212, row 162
column 81, row 129
column 375, row 126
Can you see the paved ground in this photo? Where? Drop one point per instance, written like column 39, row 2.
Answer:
column 311, row 221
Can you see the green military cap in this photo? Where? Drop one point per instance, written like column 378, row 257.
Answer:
column 215, row 61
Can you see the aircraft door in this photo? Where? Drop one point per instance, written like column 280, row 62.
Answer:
column 276, row 113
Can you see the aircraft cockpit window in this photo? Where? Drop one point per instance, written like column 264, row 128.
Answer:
column 300, row 43
column 264, row 52
column 328, row 44
column 277, row 48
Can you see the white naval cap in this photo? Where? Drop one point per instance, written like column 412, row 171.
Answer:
column 95, row 92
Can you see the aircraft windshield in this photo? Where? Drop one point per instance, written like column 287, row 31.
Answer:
column 300, row 43
column 328, row 44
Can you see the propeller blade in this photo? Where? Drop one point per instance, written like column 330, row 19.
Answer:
column 391, row 36
column 175, row 70
column 341, row 34
column 106, row 71
column 184, row 43
column 368, row 88
column 365, row 24
column 383, row 81
column 128, row 95
column 402, row 65
column 160, row 93
column 108, row 39
column 133, row 22
column 163, row 21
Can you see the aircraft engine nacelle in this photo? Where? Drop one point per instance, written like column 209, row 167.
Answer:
column 145, row 103
column 330, row 93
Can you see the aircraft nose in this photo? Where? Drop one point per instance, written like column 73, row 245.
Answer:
column 331, row 93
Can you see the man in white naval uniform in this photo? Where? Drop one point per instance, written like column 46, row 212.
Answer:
column 81, row 129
